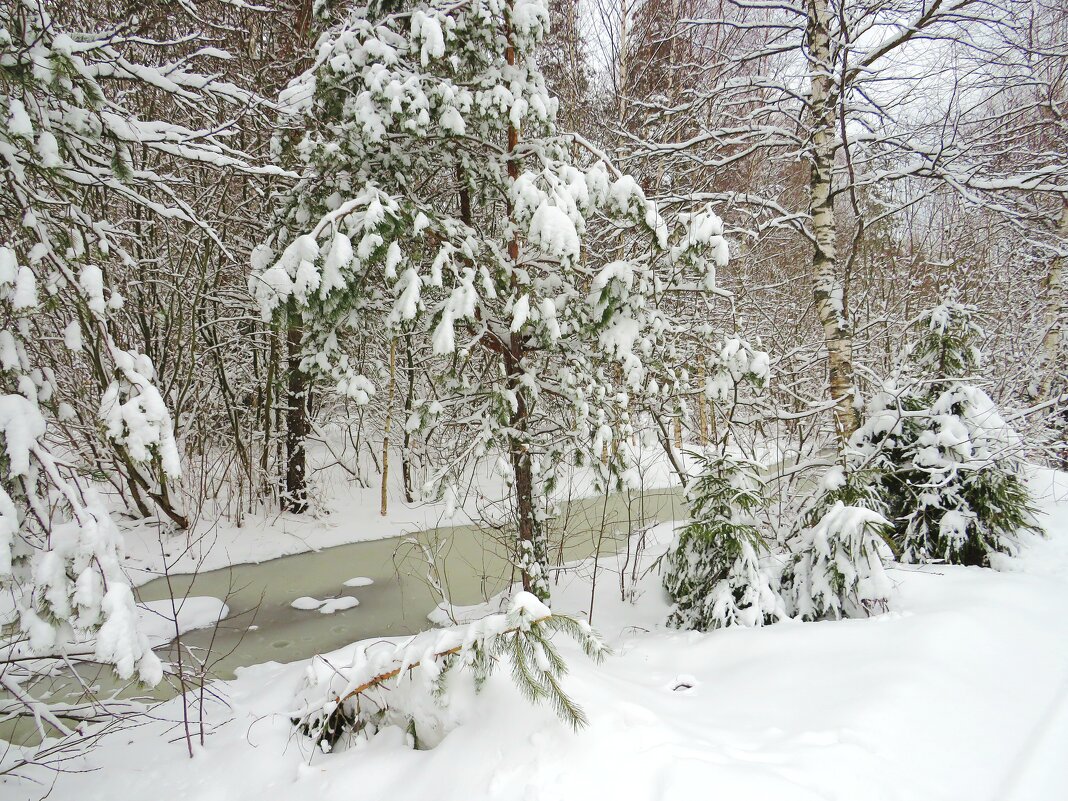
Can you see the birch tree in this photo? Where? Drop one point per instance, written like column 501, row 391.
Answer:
column 856, row 94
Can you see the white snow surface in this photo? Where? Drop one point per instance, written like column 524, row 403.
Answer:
column 327, row 606
column 359, row 581
column 306, row 603
column 961, row 692
column 156, row 619
column 338, row 605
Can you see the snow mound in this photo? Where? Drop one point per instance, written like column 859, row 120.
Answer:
column 327, row 606
column 156, row 619
column 959, row 694
column 338, row 605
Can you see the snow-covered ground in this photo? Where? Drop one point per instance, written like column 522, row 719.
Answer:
column 157, row 619
column 959, row 693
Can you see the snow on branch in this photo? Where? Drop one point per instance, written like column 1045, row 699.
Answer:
column 413, row 684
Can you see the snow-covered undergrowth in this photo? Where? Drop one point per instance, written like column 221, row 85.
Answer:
column 158, row 621
column 960, row 692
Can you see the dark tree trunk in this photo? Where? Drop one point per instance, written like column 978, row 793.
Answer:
column 531, row 552
column 295, row 498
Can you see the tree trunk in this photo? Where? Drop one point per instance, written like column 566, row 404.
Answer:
column 295, row 498
column 384, row 509
column 702, row 404
column 531, row 551
column 409, row 403
column 268, row 403
column 1056, row 311
column 829, row 288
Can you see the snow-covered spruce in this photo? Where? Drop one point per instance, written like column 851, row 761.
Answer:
column 720, row 572
column 840, row 552
column 413, row 684
column 438, row 203
column 948, row 463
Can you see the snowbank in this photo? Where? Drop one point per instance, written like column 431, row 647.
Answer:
column 157, row 618
column 959, row 693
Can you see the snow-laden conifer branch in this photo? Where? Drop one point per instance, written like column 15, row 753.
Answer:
column 411, row 684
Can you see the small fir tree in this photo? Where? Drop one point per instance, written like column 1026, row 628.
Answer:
column 718, row 573
column 841, row 549
column 947, row 461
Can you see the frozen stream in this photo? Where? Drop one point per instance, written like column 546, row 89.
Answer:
column 263, row 625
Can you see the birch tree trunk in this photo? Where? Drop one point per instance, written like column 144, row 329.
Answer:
column 1056, row 311
column 828, row 284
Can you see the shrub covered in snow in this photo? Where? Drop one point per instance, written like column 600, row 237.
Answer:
column 60, row 552
column 74, row 177
column 840, row 552
column 414, row 684
column 948, row 463
column 720, row 571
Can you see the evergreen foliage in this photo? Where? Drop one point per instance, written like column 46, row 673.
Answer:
column 437, row 196
column 947, row 461
column 718, row 572
column 841, row 546
column 413, row 684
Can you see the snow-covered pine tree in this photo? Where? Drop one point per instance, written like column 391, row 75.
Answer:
column 69, row 155
column 841, row 547
column 948, row 463
column 720, row 572
column 437, row 196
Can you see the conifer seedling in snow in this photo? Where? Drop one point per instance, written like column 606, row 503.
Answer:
column 840, row 551
column 721, row 570
column 947, row 463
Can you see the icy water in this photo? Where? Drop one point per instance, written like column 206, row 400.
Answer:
column 472, row 565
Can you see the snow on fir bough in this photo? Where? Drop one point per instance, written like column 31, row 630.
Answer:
column 414, row 684
column 948, row 465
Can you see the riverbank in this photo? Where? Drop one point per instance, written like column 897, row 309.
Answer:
column 958, row 692
column 348, row 513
